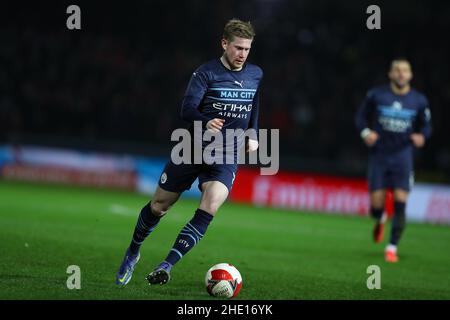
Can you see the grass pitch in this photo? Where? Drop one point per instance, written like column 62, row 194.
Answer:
column 281, row 254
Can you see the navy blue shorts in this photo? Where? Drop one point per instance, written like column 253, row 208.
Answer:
column 179, row 178
column 390, row 172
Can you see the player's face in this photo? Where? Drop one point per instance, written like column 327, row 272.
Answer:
column 236, row 51
column 400, row 73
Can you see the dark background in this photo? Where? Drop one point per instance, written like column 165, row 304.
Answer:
column 117, row 84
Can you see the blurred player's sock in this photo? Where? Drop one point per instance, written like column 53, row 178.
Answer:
column 380, row 218
column 189, row 236
column 147, row 221
column 390, row 254
column 398, row 222
column 391, row 247
column 377, row 214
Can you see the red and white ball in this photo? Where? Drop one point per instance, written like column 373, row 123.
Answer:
column 223, row 280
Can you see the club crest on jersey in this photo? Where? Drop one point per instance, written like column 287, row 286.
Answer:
column 163, row 178
column 397, row 105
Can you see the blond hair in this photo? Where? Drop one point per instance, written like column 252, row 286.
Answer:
column 238, row 28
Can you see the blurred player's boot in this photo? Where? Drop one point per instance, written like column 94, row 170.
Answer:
column 378, row 230
column 161, row 274
column 126, row 269
column 390, row 254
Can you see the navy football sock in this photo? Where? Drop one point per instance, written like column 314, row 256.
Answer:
column 189, row 236
column 376, row 213
column 398, row 222
column 147, row 221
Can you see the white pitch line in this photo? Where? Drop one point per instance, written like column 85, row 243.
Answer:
column 122, row 210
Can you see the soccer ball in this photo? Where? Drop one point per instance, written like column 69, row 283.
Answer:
column 223, row 280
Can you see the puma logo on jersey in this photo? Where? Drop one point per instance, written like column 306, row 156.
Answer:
column 240, row 84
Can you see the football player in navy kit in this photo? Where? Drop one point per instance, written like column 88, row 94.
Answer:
column 222, row 96
column 393, row 120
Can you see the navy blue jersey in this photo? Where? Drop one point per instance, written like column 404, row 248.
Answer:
column 217, row 92
column 394, row 117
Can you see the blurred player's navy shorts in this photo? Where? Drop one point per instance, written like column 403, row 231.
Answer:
column 179, row 178
column 390, row 171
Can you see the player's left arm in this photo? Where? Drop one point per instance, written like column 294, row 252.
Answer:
column 253, row 144
column 422, row 130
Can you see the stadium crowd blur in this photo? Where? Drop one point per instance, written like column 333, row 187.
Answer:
column 122, row 77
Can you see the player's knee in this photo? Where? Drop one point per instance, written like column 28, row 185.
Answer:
column 210, row 207
column 401, row 196
column 159, row 209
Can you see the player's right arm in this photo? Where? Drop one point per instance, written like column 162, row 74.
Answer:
column 365, row 111
column 197, row 87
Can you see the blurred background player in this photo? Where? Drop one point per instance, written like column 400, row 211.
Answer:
column 392, row 120
column 222, row 94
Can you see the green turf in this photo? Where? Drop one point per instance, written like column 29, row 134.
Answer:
column 281, row 254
